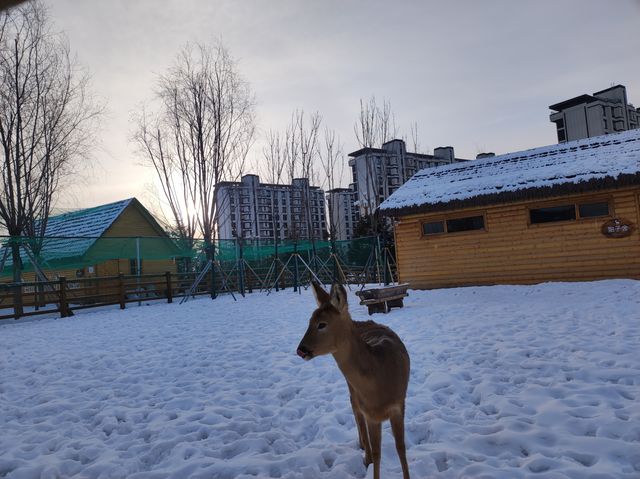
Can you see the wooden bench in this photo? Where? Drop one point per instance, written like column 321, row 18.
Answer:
column 381, row 300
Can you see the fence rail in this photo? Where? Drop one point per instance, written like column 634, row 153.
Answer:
column 63, row 285
column 64, row 297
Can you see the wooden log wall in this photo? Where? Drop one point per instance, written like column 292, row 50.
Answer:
column 512, row 251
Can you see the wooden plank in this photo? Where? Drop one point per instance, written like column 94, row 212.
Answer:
column 382, row 300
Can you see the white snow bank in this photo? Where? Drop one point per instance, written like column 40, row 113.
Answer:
column 531, row 381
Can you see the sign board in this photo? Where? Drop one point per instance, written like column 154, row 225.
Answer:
column 617, row 228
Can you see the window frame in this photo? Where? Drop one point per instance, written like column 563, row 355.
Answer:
column 445, row 218
column 431, row 235
column 576, row 205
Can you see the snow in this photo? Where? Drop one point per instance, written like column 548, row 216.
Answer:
column 506, row 381
column 595, row 158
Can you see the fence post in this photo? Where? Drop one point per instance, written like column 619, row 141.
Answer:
column 138, row 271
column 275, row 261
column 335, row 260
column 64, row 306
column 121, row 290
column 240, row 264
column 169, row 290
column 385, row 265
column 211, row 255
column 18, row 297
column 295, row 267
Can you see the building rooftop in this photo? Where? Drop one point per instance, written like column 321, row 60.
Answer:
column 267, row 185
column 378, row 151
column 610, row 88
column 582, row 165
column 578, row 100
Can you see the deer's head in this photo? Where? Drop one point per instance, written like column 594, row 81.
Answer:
column 329, row 323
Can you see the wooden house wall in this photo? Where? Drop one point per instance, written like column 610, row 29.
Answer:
column 132, row 223
column 512, row 251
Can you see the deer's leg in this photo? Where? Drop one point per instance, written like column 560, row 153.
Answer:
column 361, row 424
column 397, row 427
column 375, row 438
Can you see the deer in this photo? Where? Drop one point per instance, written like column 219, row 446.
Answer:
column 374, row 363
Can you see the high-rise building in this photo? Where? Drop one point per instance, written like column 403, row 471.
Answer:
column 378, row 172
column 606, row 111
column 343, row 213
column 250, row 209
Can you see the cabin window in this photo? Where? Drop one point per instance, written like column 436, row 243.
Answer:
column 133, row 266
column 433, row 227
column 453, row 225
column 590, row 210
column 569, row 212
column 553, row 213
column 469, row 223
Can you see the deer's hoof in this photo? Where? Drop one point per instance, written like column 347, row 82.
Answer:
column 367, row 461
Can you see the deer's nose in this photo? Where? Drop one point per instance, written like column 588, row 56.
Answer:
column 303, row 352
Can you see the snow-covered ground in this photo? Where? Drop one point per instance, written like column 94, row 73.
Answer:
column 506, row 381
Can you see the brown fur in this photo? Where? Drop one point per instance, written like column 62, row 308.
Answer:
column 375, row 364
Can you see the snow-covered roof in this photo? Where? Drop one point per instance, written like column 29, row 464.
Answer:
column 72, row 234
column 83, row 227
column 582, row 165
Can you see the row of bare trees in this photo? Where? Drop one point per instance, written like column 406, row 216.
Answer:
column 204, row 125
column 197, row 133
column 304, row 149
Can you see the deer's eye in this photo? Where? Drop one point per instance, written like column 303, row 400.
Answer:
column 322, row 325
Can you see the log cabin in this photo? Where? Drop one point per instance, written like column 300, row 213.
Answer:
column 101, row 241
column 565, row 212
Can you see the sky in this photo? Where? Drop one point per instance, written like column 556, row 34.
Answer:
column 476, row 75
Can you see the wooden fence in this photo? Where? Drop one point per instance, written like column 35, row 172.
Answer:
column 64, row 296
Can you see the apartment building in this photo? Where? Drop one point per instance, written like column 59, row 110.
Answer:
column 343, row 213
column 250, row 209
column 378, row 172
column 604, row 112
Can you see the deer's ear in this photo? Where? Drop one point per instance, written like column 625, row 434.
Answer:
column 339, row 296
column 322, row 297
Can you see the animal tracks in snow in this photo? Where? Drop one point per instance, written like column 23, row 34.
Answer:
column 506, row 381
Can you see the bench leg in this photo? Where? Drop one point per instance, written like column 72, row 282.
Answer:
column 396, row 303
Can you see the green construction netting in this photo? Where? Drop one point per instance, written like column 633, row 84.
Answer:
column 63, row 253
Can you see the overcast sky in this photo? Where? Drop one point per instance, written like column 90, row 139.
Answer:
column 477, row 75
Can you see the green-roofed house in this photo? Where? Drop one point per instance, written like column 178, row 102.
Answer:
column 101, row 241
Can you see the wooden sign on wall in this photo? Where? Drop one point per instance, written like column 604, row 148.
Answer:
column 617, row 228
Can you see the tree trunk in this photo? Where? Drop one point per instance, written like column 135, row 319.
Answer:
column 17, row 278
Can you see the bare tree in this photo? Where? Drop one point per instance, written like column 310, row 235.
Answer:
column 415, row 143
column 295, row 153
column 374, row 127
column 199, row 136
column 275, row 158
column 333, row 166
column 46, row 120
column 300, row 145
column 307, row 135
column 375, row 124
